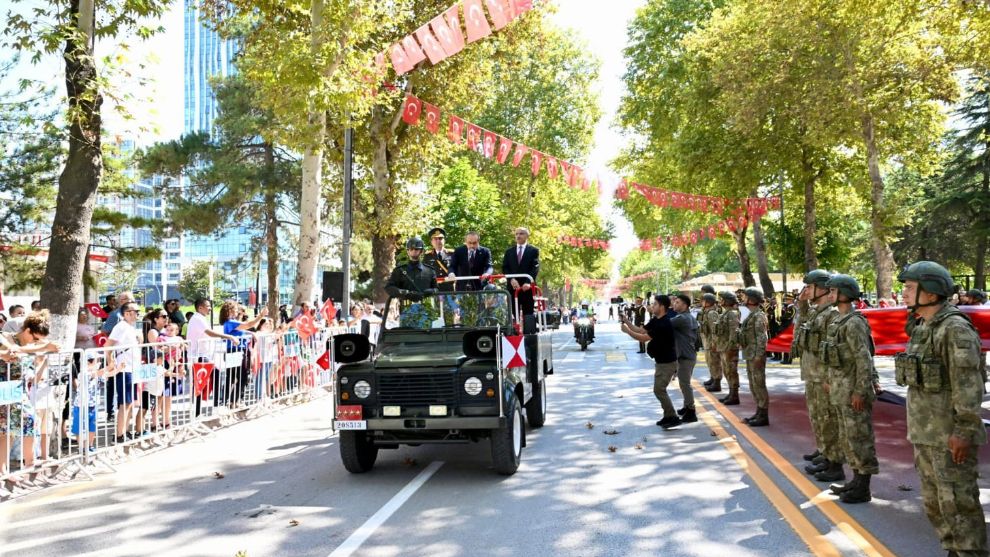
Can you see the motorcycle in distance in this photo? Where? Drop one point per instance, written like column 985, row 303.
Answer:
column 583, row 332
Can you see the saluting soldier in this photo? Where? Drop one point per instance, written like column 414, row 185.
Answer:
column 439, row 257
column 753, row 339
column 945, row 389
column 708, row 319
column 727, row 344
column 412, row 280
column 852, row 384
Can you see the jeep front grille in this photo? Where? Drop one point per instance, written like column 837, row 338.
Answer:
column 417, row 389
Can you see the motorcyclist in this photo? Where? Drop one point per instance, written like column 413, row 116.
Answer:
column 585, row 311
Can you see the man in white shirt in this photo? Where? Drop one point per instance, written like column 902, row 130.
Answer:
column 198, row 333
column 126, row 358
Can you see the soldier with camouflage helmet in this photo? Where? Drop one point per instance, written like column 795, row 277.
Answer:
column 708, row 321
column 412, row 280
column 851, row 384
column 727, row 344
column 945, row 388
column 827, row 465
column 753, row 339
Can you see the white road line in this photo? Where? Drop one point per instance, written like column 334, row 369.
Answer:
column 352, row 543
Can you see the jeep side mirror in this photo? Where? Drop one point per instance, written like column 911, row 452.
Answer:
column 351, row 348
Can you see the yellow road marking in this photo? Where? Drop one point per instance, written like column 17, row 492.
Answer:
column 863, row 539
column 810, row 535
column 615, row 357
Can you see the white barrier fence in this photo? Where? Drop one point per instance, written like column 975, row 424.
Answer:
column 73, row 407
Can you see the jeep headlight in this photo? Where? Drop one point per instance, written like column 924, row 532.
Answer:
column 485, row 344
column 472, row 386
column 362, row 389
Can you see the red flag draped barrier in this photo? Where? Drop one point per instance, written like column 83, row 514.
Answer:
column 887, row 325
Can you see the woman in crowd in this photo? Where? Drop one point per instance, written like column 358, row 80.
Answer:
column 174, row 370
column 152, row 327
column 237, row 376
column 357, row 314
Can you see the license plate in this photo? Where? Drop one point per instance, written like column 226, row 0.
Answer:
column 352, row 424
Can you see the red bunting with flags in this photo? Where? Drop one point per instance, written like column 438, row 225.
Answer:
column 412, row 109
column 96, row 311
column 431, row 46
column 473, row 136
column 455, row 130
column 504, row 148
column 520, row 152
column 475, row 21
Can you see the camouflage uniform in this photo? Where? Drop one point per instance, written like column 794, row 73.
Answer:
column 753, row 339
column 824, row 421
column 848, row 355
column 727, row 345
column 941, row 370
column 709, row 322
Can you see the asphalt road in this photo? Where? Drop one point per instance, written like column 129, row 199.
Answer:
column 275, row 486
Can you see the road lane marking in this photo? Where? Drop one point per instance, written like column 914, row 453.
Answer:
column 867, row 542
column 803, row 527
column 352, row 543
column 613, row 357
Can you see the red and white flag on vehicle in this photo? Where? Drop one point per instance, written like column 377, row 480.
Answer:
column 513, row 351
column 96, row 311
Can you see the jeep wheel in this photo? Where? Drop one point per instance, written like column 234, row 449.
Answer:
column 536, row 408
column 357, row 452
column 507, row 441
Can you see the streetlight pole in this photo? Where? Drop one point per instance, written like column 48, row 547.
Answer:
column 783, row 236
column 345, row 257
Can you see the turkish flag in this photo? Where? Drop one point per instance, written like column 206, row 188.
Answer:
column 521, row 6
column 432, row 115
column 513, row 351
column 455, row 131
column 565, row 169
column 324, row 360
column 552, row 167
column 100, row 339
column 412, row 109
column 536, row 159
column 413, row 51
column 305, row 326
column 474, row 20
column 400, row 61
column 96, row 311
column 504, row 147
column 517, row 157
column 473, row 136
column 447, row 28
column 431, row 45
column 501, row 12
column 489, row 144
column 202, row 379
column 328, row 310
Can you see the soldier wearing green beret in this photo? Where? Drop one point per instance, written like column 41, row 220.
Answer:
column 851, row 384
column 945, row 388
column 753, row 339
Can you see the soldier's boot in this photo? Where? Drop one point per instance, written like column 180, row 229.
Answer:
column 839, row 489
column 690, row 416
column 812, row 456
column 832, row 473
column 715, row 387
column 818, row 459
column 732, row 398
column 753, row 417
column 816, row 467
column 860, row 493
column 761, row 419
column 708, row 382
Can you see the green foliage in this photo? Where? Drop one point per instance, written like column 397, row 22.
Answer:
column 195, row 283
column 462, row 200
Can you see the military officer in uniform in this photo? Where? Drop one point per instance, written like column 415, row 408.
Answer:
column 753, row 339
column 439, row 257
column 851, row 384
column 412, row 280
column 708, row 320
column 945, row 389
column 727, row 345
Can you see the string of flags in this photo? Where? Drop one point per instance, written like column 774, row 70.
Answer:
column 692, row 237
column 576, row 242
column 755, row 207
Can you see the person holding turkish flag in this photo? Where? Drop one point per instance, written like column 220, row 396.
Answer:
column 522, row 258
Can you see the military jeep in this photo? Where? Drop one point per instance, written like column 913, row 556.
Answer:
column 437, row 374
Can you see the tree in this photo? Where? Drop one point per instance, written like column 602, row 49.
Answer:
column 76, row 25
column 195, row 283
column 235, row 176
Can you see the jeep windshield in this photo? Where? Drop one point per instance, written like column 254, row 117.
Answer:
column 488, row 308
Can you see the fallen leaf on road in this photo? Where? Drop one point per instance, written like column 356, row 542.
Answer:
column 409, row 462
column 218, row 475
column 612, row 448
column 619, row 396
column 903, row 487
column 713, row 434
column 589, row 425
column 639, row 446
column 611, row 432
column 293, row 522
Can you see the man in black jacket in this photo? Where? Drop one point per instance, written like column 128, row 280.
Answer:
column 522, row 258
column 413, row 279
column 470, row 260
column 659, row 332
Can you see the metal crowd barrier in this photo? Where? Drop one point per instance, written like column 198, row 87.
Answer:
column 73, row 408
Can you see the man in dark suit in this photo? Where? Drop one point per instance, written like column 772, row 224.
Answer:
column 522, row 258
column 470, row 260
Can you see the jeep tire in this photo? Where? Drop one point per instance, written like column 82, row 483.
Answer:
column 536, row 408
column 507, row 441
column 357, row 452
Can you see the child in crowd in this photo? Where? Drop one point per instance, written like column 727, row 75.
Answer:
column 96, row 373
column 174, row 371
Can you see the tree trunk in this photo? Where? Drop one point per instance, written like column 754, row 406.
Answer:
column 80, row 179
column 383, row 240
column 980, row 268
column 762, row 267
column 883, row 256
column 743, row 253
column 271, row 236
column 810, row 221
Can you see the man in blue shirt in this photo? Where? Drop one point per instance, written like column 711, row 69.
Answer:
column 659, row 333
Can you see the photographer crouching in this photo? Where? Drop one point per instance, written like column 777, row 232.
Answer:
column 659, row 334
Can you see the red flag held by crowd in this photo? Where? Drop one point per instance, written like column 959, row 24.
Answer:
column 202, row 379
column 328, row 310
column 96, row 311
column 324, row 360
column 100, row 339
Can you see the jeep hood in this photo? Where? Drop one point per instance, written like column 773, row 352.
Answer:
column 420, row 354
